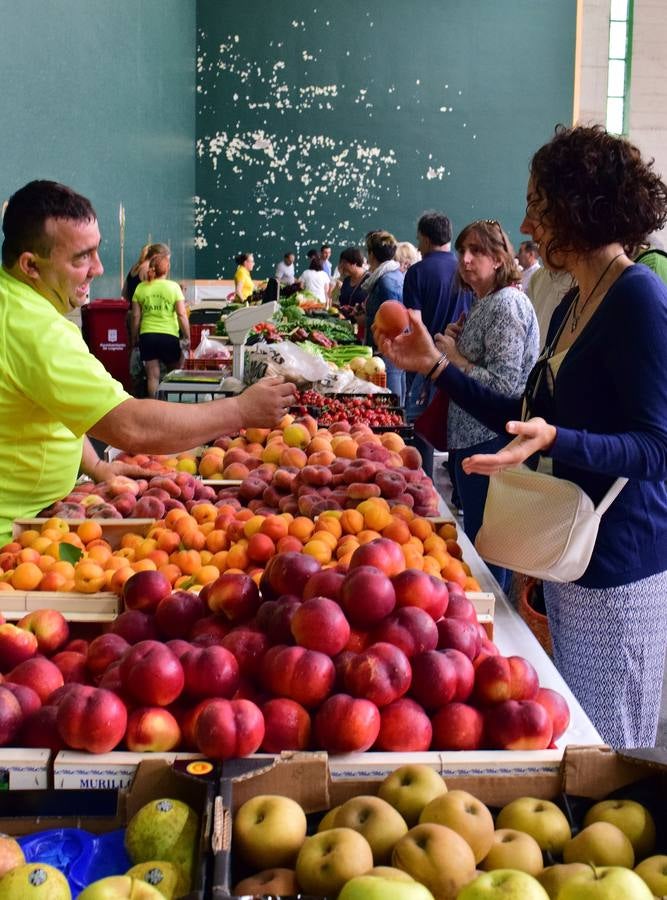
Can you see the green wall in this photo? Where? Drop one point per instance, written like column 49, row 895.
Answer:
column 321, row 121
column 101, row 95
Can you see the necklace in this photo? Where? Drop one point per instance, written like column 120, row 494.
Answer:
column 576, row 312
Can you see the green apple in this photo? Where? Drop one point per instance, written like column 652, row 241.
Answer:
column 390, row 872
column 330, row 858
column 503, row 884
column 600, row 844
column 605, row 883
column 168, row 830
column 36, row 881
column 541, row 819
column 277, row 882
column 161, row 875
column 466, row 815
column 269, row 830
column 120, row 887
column 367, row 887
column 328, row 819
column 379, row 823
column 11, row 854
column 513, row 850
column 634, row 820
column 653, row 870
column 554, row 877
column 436, row 856
column 409, row 788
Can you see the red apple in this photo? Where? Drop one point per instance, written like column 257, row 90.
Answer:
column 151, row 674
column 209, row 631
column 38, row 673
column 49, row 627
column 234, row 596
column 457, row 726
column 415, row 588
column 144, row 590
column 91, row 719
column 40, row 729
column 287, row 573
column 367, row 596
column 274, row 618
column 72, row 666
column 134, row 626
column 409, row 628
column 500, row 678
column 320, row 624
column 404, row 727
column 559, row 712
column 104, row 650
column 178, row 612
column 299, row 674
column 152, row 728
column 384, row 554
column 11, row 716
column 248, row 645
column 459, row 634
column 345, row 724
column 287, row 726
column 228, row 728
column 16, row 645
column 327, row 583
column 210, row 672
column 28, row 698
column 517, row 725
column 440, row 676
column 381, row 673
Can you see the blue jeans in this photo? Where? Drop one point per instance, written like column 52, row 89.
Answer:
column 395, row 381
column 472, row 490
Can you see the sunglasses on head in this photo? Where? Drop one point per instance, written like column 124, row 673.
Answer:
column 498, row 226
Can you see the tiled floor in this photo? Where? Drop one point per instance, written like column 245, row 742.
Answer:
column 443, row 485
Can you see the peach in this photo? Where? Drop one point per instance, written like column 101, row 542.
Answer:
column 210, row 465
column 321, row 458
column 260, row 548
column 384, row 554
column 235, row 471
column 52, row 581
column 411, row 457
column 293, row 456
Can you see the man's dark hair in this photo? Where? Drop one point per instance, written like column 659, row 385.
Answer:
column 288, row 253
column 436, row 227
column 353, row 256
column 531, row 247
column 27, row 212
column 325, row 247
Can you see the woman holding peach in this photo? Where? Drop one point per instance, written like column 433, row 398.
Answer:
column 596, row 405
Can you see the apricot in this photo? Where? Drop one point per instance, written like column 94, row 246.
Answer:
column 301, row 528
column 375, row 517
column 293, row 456
column 99, row 555
column 367, row 535
column 206, row 575
column 318, row 444
column 274, row 527
column 326, row 537
column 454, row 549
column 173, row 516
column 5, row 586
column 260, row 548
column 454, row 571
column 352, row 521
column 413, row 559
column 392, row 441
column 471, row 584
column 204, row 512
column 90, row 530
column 159, row 557
column 273, row 451
column 27, row 554
column 193, row 539
column 219, row 560
column 217, row 540
column 56, row 524
column 289, row 544
column 421, row 527
column 28, row 537
column 131, row 540
column 296, row 435
column 237, row 556
column 188, row 464
column 397, row 530
column 26, row 576
column 166, row 539
column 447, row 531
column 144, row 565
column 210, row 465
column 89, row 576
column 331, row 524
column 403, row 512
column 188, row 561
column 319, row 550
column 322, row 458
column 52, row 581
column 431, row 566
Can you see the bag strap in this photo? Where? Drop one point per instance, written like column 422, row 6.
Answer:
column 610, row 496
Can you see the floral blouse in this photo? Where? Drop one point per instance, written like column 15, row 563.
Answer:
column 501, row 340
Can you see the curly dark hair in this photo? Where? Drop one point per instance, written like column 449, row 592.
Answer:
column 594, row 189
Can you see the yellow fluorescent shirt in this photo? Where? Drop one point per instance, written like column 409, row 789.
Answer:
column 158, row 300
column 52, row 391
column 243, row 282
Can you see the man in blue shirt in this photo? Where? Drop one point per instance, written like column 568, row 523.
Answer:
column 432, row 287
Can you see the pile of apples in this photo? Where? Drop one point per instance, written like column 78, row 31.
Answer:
column 303, row 657
column 129, row 498
column 417, row 840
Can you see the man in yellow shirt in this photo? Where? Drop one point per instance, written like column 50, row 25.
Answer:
column 53, row 391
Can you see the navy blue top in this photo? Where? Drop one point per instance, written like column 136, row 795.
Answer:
column 610, row 408
column 431, row 286
column 388, row 287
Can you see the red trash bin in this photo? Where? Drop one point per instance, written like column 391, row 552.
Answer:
column 104, row 328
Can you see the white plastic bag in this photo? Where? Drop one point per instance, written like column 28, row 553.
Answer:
column 289, row 360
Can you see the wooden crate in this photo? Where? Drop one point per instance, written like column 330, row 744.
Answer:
column 75, row 607
column 112, row 529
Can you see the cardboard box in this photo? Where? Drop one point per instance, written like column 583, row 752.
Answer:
column 24, row 813
column 105, row 771
column 585, row 774
column 23, row 768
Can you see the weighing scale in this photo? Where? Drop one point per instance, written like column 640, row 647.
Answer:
column 238, row 324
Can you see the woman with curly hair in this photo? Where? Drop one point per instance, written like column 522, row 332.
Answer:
column 596, row 406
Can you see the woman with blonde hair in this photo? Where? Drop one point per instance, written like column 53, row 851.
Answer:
column 139, row 270
column 158, row 316
column 406, row 255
